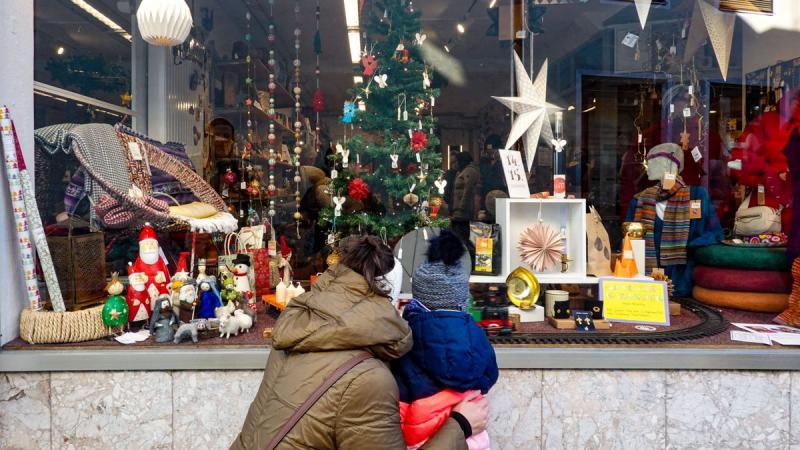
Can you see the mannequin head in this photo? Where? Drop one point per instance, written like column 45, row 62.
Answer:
column 664, row 158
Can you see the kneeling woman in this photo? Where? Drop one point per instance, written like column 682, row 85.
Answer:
column 345, row 314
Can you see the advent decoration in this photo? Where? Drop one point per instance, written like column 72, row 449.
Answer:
column 531, row 107
column 540, row 247
column 643, row 10
column 708, row 20
column 164, row 22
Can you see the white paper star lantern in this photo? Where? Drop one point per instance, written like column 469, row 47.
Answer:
column 164, row 22
column 531, row 108
column 708, row 20
column 643, row 10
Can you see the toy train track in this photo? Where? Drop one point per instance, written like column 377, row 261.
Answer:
column 712, row 323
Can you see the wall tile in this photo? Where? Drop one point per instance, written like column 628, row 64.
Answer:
column 608, row 409
column 103, row 410
column 516, row 410
column 727, row 409
column 210, row 407
column 25, row 411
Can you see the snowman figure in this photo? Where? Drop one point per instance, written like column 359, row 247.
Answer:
column 240, row 270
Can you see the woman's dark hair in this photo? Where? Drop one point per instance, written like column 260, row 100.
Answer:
column 464, row 159
column 369, row 257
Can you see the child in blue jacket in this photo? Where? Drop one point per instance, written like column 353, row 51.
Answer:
column 451, row 355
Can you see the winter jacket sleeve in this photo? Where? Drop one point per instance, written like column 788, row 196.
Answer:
column 369, row 417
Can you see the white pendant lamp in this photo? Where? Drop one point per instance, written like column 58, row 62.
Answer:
column 164, row 22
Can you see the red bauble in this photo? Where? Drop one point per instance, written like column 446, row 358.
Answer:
column 318, row 102
column 229, row 178
column 419, row 140
column 358, row 189
column 411, row 168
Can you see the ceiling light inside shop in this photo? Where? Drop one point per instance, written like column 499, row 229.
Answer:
column 446, row 48
column 460, row 28
column 354, row 39
column 60, row 51
column 492, row 3
column 351, row 13
column 92, row 11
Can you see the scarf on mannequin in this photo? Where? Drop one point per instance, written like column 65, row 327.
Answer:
column 675, row 233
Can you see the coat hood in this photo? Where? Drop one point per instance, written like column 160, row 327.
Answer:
column 337, row 314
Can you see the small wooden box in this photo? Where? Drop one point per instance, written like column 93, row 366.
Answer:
column 569, row 324
column 674, row 309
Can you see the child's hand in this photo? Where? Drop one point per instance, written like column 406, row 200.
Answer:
column 475, row 410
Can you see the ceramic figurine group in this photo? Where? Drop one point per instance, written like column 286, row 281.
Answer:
column 174, row 308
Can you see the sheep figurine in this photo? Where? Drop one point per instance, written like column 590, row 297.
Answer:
column 186, row 330
column 229, row 309
column 228, row 325
column 251, row 313
column 245, row 321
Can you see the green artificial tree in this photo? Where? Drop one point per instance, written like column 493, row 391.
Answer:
column 377, row 133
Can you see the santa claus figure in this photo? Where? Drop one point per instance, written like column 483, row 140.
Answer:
column 138, row 298
column 148, row 266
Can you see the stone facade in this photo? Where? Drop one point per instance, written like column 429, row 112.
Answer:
column 531, row 409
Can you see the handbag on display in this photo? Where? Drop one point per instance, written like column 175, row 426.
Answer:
column 598, row 248
column 751, row 221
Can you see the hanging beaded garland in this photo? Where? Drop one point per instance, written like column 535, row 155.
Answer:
column 246, row 163
column 271, row 138
column 297, row 90
column 318, row 103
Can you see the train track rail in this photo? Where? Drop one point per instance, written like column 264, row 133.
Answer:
column 712, row 323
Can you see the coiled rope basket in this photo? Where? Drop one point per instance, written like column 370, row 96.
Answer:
column 50, row 327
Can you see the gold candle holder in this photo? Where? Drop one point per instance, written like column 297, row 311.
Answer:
column 634, row 230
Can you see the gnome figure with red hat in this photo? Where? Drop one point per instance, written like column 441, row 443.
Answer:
column 286, row 256
column 148, row 276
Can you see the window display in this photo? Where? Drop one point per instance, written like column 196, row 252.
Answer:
column 567, row 144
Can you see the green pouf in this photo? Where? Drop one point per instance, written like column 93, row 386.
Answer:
column 744, row 258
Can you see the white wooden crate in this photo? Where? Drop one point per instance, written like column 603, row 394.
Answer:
column 514, row 215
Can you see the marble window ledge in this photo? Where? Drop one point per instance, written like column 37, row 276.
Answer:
column 508, row 358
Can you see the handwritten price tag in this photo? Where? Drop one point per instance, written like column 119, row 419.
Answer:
column 514, row 171
column 635, row 301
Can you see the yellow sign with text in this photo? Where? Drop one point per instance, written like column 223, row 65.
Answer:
column 635, row 301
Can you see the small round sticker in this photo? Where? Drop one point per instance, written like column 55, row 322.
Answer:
column 645, row 328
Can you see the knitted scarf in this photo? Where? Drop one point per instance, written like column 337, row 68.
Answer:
column 675, row 233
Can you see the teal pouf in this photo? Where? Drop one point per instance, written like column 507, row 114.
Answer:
column 743, row 258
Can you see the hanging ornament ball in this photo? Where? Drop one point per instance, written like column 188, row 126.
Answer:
column 298, row 150
column 411, row 168
column 271, row 138
column 296, row 63
column 250, row 190
column 419, row 140
column 272, row 86
column 298, row 215
column 358, row 189
column 115, row 311
column 297, row 179
column 318, row 101
column 230, row 177
column 248, row 102
column 164, row 22
column 333, row 258
column 437, row 202
column 297, row 90
column 411, row 199
column 271, row 188
column 256, row 185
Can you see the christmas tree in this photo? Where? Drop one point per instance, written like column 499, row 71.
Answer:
column 387, row 170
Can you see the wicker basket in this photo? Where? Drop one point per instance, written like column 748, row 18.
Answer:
column 48, row 327
column 80, row 263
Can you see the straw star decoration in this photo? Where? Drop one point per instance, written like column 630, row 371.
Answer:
column 531, row 108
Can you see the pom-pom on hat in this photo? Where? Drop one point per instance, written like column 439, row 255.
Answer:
column 441, row 282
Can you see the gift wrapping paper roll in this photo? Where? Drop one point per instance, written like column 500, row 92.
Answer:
column 743, row 258
column 550, row 299
column 18, row 206
column 724, row 279
column 748, row 301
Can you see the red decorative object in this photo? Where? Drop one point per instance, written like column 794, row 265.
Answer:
column 229, row 178
column 358, row 189
column 248, row 102
column 411, row 168
column 318, row 102
column 370, row 64
column 402, row 56
column 419, row 140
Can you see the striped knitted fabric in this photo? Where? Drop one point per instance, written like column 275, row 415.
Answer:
column 675, row 232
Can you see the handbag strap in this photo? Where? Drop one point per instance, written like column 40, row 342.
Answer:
column 315, row 396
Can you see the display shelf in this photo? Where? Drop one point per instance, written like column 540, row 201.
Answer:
column 544, row 278
column 515, row 214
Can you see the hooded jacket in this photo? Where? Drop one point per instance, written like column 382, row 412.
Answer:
column 316, row 333
column 450, row 351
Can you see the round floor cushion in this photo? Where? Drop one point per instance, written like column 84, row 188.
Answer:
column 744, row 258
column 725, row 279
column 748, row 301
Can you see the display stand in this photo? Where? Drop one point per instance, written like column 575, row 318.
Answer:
column 569, row 215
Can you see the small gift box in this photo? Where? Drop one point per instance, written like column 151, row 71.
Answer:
column 561, row 310
column 595, row 307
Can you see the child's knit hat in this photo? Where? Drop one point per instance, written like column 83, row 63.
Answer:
column 441, row 282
